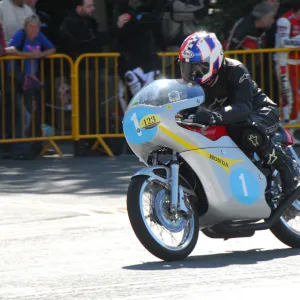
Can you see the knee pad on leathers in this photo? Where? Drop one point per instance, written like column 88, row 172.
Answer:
column 254, row 140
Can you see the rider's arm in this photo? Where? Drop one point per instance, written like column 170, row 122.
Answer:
column 240, row 102
column 284, row 34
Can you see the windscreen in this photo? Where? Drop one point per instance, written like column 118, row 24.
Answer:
column 165, row 91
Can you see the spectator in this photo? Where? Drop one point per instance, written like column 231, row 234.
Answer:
column 271, row 89
column 2, row 41
column 79, row 30
column 6, row 123
column 46, row 21
column 288, row 63
column 275, row 4
column 249, row 33
column 138, row 65
column 80, row 35
column 3, row 49
column 49, row 31
column 12, row 15
column 34, row 45
column 270, row 34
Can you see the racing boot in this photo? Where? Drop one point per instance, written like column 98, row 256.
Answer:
column 286, row 166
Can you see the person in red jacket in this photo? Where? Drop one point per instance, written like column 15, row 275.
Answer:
column 3, row 49
column 249, row 33
column 288, row 63
column 2, row 42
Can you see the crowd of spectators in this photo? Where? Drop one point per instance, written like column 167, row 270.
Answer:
column 142, row 28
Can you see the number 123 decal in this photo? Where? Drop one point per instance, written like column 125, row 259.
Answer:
column 140, row 125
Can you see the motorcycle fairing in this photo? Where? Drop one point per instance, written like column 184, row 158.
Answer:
column 234, row 186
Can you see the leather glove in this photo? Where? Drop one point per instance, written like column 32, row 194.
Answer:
column 206, row 117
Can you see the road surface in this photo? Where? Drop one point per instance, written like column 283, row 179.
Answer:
column 64, row 234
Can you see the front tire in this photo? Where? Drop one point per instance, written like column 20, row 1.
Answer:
column 158, row 214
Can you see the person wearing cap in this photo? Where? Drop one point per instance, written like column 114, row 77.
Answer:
column 248, row 32
column 275, row 4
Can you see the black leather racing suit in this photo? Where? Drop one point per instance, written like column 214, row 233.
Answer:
column 252, row 117
column 237, row 99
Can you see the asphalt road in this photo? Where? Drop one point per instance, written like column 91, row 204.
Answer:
column 64, row 234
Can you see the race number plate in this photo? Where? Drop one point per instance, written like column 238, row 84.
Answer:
column 150, row 121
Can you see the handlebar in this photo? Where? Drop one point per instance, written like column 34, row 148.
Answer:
column 184, row 122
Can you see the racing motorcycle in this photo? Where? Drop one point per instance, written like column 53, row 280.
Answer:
column 197, row 179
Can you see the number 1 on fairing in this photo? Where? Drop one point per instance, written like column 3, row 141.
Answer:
column 136, row 124
column 244, row 186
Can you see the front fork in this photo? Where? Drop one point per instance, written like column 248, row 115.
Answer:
column 177, row 201
column 174, row 183
column 177, row 194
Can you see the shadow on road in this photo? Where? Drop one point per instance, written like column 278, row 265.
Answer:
column 86, row 175
column 249, row 257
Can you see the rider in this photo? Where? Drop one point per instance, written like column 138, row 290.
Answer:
column 233, row 99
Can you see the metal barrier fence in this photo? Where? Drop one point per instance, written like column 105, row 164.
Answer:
column 98, row 107
column 24, row 117
column 81, row 100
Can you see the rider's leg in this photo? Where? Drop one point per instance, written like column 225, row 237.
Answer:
column 256, row 138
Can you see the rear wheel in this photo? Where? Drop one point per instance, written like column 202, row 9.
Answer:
column 167, row 236
column 287, row 228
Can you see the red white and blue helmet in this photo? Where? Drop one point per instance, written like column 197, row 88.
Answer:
column 201, row 57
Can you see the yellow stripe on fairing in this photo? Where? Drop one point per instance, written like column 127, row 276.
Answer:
column 225, row 163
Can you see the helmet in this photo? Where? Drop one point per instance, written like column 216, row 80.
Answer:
column 201, row 57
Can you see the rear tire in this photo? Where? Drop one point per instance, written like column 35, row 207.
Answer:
column 286, row 235
column 282, row 230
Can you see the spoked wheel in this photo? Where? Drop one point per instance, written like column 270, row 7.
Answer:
column 166, row 235
column 287, row 229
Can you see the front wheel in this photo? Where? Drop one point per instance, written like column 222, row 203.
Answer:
column 167, row 236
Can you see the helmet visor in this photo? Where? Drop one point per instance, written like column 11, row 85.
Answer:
column 190, row 71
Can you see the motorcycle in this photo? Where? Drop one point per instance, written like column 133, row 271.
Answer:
column 197, row 179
